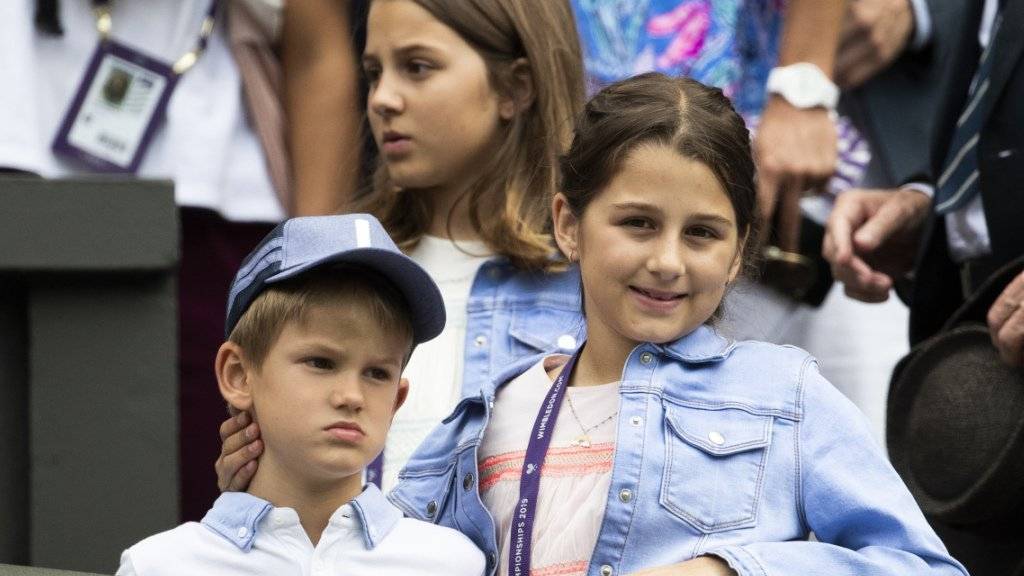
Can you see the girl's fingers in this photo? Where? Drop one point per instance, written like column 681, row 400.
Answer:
column 235, row 469
column 233, row 425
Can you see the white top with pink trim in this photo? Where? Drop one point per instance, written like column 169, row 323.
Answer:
column 575, row 477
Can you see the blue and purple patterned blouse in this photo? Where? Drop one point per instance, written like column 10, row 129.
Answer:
column 731, row 44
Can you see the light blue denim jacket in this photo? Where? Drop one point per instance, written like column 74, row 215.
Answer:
column 512, row 315
column 740, row 450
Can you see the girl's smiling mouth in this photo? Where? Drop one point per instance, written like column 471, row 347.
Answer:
column 659, row 301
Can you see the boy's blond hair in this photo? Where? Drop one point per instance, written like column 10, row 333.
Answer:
column 289, row 301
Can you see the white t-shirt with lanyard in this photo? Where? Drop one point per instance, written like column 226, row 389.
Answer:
column 203, row 143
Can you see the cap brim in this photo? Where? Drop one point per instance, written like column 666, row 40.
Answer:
column 412, row 281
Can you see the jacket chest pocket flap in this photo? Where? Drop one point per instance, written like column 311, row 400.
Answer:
column 714, row 466
column 545, row 329
column 424, row 494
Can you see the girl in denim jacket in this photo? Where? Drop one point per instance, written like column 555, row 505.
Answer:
column 660, row 447
column 470, row 103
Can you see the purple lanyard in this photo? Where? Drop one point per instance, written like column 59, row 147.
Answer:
column 375, row 471
column 521, row 531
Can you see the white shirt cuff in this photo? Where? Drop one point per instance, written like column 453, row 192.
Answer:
column 922, row 24
column 926, row 189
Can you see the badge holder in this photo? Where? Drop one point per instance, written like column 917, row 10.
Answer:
column 121, row 100
column 116, row 109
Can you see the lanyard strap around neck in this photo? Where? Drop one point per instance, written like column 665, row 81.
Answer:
column 521, row 530
column 104, row 23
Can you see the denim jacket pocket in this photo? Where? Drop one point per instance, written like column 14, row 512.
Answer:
column 424, row 494
column 545, row 329
column 714, row 466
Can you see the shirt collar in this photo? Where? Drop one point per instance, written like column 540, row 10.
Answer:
column 377, row 516
column 236, row 516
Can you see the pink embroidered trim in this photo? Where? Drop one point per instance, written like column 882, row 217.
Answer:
column 560, row 462
column 563, row 569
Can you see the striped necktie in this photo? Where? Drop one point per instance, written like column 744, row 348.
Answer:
column 958, row 184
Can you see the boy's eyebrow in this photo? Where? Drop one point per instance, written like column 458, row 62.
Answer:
column 317, row 345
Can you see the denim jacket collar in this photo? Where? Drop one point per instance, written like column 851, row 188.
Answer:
column 236, row 516
column 704, row 344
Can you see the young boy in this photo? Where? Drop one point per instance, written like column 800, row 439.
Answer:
column 322, row 318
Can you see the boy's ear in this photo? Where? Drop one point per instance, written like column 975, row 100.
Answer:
column 521, row 91
column 233, row 376
column 566, row 226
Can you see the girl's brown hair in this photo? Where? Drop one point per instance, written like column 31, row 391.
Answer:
column 697, row 121
column 509, row 202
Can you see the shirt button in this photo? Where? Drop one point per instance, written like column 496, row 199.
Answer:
column 492, row 559
column 431, row 508
column 566, row 342
column 636, row 421
column 606, row 570
column 646, row 358
column 494, row 273
column 480, row 341
column 467, row 481
column 625, row 495
column 716, row 438
column 243, row 532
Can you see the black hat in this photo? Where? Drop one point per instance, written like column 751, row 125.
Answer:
column 955, row 433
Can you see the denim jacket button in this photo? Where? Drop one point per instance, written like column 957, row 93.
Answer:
column 716, row 438
column 606, row 570
column 636, row 421
column 566, row 342
column 480, row 341
column 467, row 481
column 431, row 508
column 625, row 495
column 646, row 358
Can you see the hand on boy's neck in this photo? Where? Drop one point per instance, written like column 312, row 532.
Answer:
column 313, row 501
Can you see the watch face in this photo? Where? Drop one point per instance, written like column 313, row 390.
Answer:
column 803, row 85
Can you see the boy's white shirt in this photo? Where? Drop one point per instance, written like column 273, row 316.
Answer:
column 243, row 534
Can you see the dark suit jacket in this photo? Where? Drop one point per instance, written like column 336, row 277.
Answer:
column 942, row 75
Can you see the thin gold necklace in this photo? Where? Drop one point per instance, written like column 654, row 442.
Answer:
column 583, row 440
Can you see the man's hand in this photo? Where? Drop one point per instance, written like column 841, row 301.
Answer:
column 699, row 566
column 872, row 237
column 1006, row 322
column 874, row 33
column 795, row 151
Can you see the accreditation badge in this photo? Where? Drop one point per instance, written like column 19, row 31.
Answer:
column 116, row 109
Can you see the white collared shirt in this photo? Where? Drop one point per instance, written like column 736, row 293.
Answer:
column 243, row 534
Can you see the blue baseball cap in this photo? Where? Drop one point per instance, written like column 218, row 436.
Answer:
column 301, row 244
